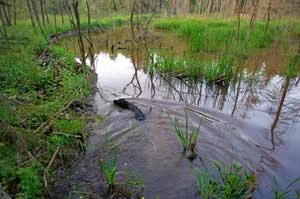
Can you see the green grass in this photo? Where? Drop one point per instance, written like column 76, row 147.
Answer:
column 188, row 139
column 217, row 38
column 294, row 66
column 30, row 184
column 219, row 35
column 108, row 165
column 219, row 70
column 32, row 94
column 286, row 192
column 233, row 182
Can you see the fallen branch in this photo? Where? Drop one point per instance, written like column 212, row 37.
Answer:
column 49, row 166
column 31, row 159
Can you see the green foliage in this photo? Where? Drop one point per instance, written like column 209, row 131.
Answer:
column 188, row 139
column 193, row 69
column 207, row 186
column 7, row 163
column 219, row 35
column 286, row 192
column 108, row 165
column 294, row 66
column 30, row 184
column 71, row 126
column 233, row 182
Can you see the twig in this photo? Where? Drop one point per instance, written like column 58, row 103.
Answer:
column 59, row 112
column 37, row 156
column 49, row 166
column 53, row 158
column 67, row 135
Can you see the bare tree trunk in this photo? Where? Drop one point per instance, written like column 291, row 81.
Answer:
column 15, row 12
column 89, row 15
column 239, row 20
column 46, row 11
column 5, row 13
column 173, row 7
column 55, row 23
column 30, row 14
column 131, row 20
column 8, row 13
column 77, row 26
column 61, row 12
column 269, row 18
column 210, row 3
column 37, row 17
column 42, row 11
column 4, row 32
column 252, row 20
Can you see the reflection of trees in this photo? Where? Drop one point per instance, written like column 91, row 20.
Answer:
column 279, row 109
column 135, row 79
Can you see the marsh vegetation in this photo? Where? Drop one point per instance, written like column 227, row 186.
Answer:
column 223, row 75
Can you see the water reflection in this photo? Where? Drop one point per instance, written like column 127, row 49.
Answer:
column 255, row 98
column 258, row 94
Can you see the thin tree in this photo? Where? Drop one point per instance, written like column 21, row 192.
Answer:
column 131, row 20
column 37, row 17
column 15, row 12
column 75, row 21
column 4, row 32
column 42, row 12
column 46, row 11
column 239, row 20
column 88, row 14
column 252, row 19
column 9, row 13
column 268, row 17
column 61, row 12
column 30, row 14
column 5, row 9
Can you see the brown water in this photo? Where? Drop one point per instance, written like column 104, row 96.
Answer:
column 254, row 120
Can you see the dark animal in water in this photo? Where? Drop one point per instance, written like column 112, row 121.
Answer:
column 123, row 103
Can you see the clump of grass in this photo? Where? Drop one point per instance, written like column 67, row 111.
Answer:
column 188, row 139
column 286, row 192
column 108, row 166
column 233, row 182
column 219, row 72
column 30, row 184
column 294, row 65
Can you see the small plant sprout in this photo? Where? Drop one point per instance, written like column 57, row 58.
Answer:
column 188, row 139
column 108, row 166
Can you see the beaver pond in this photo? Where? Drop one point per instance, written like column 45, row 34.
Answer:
column 252, row 120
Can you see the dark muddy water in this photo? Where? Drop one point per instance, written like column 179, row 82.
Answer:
column 254, row 120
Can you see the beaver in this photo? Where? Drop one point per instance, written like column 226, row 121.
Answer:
column 124, row 104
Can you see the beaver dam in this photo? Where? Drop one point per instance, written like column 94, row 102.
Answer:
column 251, row 118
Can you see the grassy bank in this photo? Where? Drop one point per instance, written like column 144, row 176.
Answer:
column 220, row 39
column 42, row 104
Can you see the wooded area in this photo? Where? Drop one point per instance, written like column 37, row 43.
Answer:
column 234, row 56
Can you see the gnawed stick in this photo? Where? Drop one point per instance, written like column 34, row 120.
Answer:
column 49, row 166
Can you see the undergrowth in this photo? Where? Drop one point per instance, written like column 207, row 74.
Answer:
column 217, row 38
column 232, row 182
column 42, row 97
